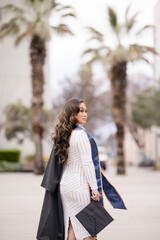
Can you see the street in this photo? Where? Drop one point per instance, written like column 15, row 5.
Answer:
column 21, row 198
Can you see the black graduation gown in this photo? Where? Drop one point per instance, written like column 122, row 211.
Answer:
column 51, row 223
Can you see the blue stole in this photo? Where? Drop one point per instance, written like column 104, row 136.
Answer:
column 104, row 186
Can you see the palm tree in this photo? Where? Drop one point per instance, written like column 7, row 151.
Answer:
column 32, row 21
column 115, row 61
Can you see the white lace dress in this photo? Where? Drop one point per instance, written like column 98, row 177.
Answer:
column 74, row 190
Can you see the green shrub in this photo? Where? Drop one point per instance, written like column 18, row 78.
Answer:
column 9, row 166
column 10, row 155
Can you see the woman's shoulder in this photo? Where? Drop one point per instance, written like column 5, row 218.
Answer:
column 79, row 135
column 78, row 132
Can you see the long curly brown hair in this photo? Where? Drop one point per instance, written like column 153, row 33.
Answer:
column 66, row 122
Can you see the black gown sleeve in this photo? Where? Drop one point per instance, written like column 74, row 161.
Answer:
column 52, row 173
column 51, row 223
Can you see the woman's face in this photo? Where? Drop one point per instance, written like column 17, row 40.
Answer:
column 82, row 115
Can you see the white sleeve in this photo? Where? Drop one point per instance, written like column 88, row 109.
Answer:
column 84, row 150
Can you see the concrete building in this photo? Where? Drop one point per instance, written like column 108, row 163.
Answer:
column 156, row 130
column 151, row 141
column 15, row 82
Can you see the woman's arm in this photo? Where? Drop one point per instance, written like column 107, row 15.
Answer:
column 84, row 150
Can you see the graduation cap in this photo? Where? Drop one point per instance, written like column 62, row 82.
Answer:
column 94, row 217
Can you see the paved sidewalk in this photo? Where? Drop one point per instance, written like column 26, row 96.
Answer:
column 21, row 199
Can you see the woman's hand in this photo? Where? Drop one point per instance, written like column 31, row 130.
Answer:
column 95, row 195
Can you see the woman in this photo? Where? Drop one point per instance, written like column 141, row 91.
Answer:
column 74, row 148
column 72, row 177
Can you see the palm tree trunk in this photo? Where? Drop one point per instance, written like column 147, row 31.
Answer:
column 37, row 58
column 118, row 79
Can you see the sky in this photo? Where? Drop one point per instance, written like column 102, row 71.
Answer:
column 65, row 52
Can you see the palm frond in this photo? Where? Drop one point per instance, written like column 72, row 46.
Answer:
column 137, row 57
column 62, row 29
column 146, row 60
column 65, row 11
column 127, row 11
column 101, row 49
column 49, row 8
column 90, row 50
column 18, row 19
column 143, row 48
column 131, row 22
column 94, row 31
column 9, row 28
column 60, row 7
column 98, row 38
column 12, row 27
column 145, row 28
column 20, row 37
column 94, row 59
column 68, row 15
column 54, row 4
column 137, row 52
column 96, row 35
column 11, row 8
column 112, row 18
